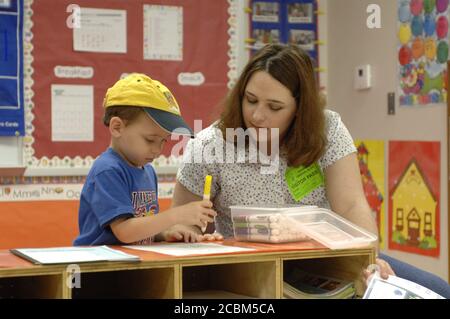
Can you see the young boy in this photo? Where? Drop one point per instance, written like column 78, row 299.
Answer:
column 119, row 201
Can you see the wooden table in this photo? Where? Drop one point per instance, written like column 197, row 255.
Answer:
column 257, row 273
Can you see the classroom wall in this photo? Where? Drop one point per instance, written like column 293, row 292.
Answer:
column 351, row 43
column 43, row 223
column 348, row 43
column 54, row 223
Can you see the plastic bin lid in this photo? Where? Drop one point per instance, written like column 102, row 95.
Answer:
column 332, row 230
column 320, row 224
column 269, row 209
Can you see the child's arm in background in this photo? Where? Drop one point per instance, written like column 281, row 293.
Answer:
column 129, row 230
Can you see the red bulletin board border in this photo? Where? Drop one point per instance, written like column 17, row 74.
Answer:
column 207, row 33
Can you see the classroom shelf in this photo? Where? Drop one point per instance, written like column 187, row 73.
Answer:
column 252, row 274
column 246, row 279
column 137, row 284
column 347, row 268
column 36, row 287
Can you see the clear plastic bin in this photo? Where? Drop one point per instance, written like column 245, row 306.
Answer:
column 281, row 224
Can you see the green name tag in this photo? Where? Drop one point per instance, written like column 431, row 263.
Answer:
column 303, row 180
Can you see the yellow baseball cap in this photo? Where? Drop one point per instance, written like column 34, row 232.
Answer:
column 138, row 89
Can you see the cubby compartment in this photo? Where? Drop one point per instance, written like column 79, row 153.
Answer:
column 138, row 283
column 40, row 287
column 347, row 268
column 229, row 281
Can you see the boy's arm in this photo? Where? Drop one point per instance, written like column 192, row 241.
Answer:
column 130, row 230
column 134, row 229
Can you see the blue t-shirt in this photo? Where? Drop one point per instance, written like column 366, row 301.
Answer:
column 114, row 189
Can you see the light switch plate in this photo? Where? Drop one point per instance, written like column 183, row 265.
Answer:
column 391, row 103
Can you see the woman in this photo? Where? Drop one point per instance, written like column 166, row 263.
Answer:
column 277, row 91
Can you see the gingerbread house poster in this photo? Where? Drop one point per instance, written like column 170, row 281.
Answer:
column 414, row 193
column 371, row 166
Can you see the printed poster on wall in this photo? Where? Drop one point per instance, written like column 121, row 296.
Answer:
column 292, row 22
column 101, row 30
column 371, row 166
column 163, row 33
column 11, row 69
column 285, row 21
column 422, row 51
column 414, row 196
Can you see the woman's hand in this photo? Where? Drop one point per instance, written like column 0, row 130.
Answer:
column 384, row 269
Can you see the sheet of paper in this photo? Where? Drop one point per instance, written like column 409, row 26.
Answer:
column 186, row 249
column 101, row 30
column 163, row 33
column 62, row 255
column 72, row 112
column 397, row 288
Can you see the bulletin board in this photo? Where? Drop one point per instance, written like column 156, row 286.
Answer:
column 206, row 28
column 285, row 21
column 11, row 68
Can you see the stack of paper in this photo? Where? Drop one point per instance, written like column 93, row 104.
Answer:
column 302, row 285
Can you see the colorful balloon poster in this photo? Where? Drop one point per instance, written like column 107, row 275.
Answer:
column 414, row 197
column 422, row 51
column 371, row 166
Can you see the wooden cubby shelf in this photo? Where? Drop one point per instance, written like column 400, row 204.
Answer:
column 251, row 274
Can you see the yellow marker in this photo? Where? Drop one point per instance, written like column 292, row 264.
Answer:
column 207, row 193
column 207, row 189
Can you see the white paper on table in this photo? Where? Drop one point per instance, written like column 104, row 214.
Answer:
column 72, row 112
column 397, row 288
column 163, row 33
column 101, row 30
column 62, row 255
column 185, row 249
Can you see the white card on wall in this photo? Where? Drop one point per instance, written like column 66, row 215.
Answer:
column 163, row 33
column 72, row 113
column 101, row 30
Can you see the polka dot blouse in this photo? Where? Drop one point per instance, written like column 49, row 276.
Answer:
column 244, row 183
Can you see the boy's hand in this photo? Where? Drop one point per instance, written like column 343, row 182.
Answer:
column 180, row 233
column 195, row 213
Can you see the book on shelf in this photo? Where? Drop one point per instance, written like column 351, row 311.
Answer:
column 299, row 284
